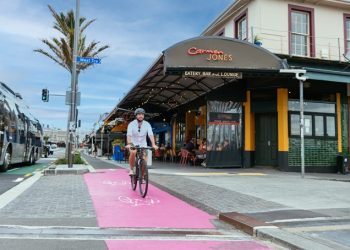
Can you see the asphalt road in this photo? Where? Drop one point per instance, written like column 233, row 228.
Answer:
column 20, row 172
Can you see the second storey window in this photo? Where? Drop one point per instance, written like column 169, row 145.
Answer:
column 241, row 26
column 347, row 32
column 242, row 29
column 301, row 31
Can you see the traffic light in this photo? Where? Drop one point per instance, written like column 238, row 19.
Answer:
column 45, row 95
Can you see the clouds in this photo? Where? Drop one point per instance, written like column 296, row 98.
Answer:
column 136, row 30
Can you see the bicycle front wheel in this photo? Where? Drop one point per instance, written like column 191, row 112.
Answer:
column 143, row 179
column 134, row 177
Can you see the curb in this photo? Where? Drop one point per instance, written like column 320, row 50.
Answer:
column 63, row 169
column 274, row 234
column 243, row 222
column 289, row 240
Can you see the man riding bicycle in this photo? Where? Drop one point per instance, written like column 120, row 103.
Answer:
column 137, row 133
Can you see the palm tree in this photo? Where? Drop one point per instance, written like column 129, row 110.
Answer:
column 61, row 49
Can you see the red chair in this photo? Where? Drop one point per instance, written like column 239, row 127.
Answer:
column 185, row 156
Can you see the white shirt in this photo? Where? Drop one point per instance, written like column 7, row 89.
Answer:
column 139, row 138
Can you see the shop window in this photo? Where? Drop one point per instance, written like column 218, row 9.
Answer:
column 330, row 126
column 307, row 125
column 294, row 124
column 319, row 119
column 301, row 31
column 241, row 26
column 319, row 125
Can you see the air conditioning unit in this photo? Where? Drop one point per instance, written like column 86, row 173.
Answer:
column 324, row 53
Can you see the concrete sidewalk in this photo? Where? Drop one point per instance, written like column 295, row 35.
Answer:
column 300, row 213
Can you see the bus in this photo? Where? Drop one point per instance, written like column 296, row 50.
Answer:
column 21, row 134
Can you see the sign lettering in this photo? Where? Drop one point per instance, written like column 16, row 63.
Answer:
column 213, row 55
column 234, row 75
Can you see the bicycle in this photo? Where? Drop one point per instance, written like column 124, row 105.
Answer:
column 139, row 175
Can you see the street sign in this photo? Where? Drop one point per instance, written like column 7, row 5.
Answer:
column 88, row 60
column 69, row 98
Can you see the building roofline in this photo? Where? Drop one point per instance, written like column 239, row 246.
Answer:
column 227, row 13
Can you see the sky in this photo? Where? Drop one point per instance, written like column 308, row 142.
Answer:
column 137, row 31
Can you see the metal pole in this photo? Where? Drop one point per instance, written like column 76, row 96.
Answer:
column 302, row 149
column 101, row 142
column 74, row 85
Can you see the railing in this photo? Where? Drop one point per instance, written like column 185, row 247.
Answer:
column 278, row 42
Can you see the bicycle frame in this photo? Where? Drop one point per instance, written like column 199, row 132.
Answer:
column 141, row 171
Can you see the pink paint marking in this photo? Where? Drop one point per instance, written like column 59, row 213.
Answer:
column 117, row 205
column 183, row 245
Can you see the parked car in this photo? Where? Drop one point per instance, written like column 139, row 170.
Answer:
column 47, row 150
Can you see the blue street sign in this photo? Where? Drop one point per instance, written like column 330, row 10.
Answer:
column 88, row 60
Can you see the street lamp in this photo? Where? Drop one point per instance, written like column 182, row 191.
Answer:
column 300, row 75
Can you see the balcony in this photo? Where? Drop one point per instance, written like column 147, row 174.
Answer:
column 325, row 48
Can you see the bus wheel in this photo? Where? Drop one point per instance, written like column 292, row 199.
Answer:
column 31, row 158
column 6, row 163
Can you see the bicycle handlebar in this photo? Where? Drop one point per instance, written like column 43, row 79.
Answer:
column 138, row 147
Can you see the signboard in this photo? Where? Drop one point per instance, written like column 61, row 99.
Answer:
column 234, row 75
column 88, row 60
column 219, row 54
column 69, row 98
column 216, row 118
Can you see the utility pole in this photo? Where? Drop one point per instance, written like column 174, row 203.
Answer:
column 73, row 105
column 301, row 78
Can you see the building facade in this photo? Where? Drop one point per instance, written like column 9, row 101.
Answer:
column 226, row 85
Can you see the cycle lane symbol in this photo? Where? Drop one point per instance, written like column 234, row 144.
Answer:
column 148, row 201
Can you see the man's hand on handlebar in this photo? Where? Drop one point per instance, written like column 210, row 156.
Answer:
column 155, row 147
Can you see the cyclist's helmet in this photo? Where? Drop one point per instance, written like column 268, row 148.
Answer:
column 140, row 111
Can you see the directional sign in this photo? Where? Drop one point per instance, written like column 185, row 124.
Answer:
column 88, row 60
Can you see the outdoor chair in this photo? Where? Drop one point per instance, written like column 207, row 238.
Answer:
column 185, row 156
column 170, row 153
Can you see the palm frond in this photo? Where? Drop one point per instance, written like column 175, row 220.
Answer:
column 62, row 48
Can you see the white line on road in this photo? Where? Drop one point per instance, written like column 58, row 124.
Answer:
column 14, row 192
column 18, row 180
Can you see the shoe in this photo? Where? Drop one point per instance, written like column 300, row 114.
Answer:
column 143, row 181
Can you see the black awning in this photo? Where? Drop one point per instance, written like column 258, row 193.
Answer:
column 195, row 67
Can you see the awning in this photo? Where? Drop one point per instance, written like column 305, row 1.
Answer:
column 192, row 68
column 327, row 75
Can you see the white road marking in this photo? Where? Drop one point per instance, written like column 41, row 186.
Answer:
column 14, row 192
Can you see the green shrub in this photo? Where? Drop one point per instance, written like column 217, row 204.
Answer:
column 76, row 160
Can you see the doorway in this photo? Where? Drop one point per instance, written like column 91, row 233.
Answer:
column 266, row 140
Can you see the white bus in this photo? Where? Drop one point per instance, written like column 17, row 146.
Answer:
column 21, row 135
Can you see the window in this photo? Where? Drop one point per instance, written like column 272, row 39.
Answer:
column 241, row 26
column 347, row 32
column 294, row 124
column 319, row 125
column 301, row 31
column 319, row 119
column 307, row 125
column 330, row 126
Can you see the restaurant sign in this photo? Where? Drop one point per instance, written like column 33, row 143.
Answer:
column 219, row 54
column 232, row 75
column 216, row 118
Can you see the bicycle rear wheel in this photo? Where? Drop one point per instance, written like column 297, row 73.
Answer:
column 143, row 180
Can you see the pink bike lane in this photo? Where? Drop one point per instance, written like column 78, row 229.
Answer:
column 118, row 206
